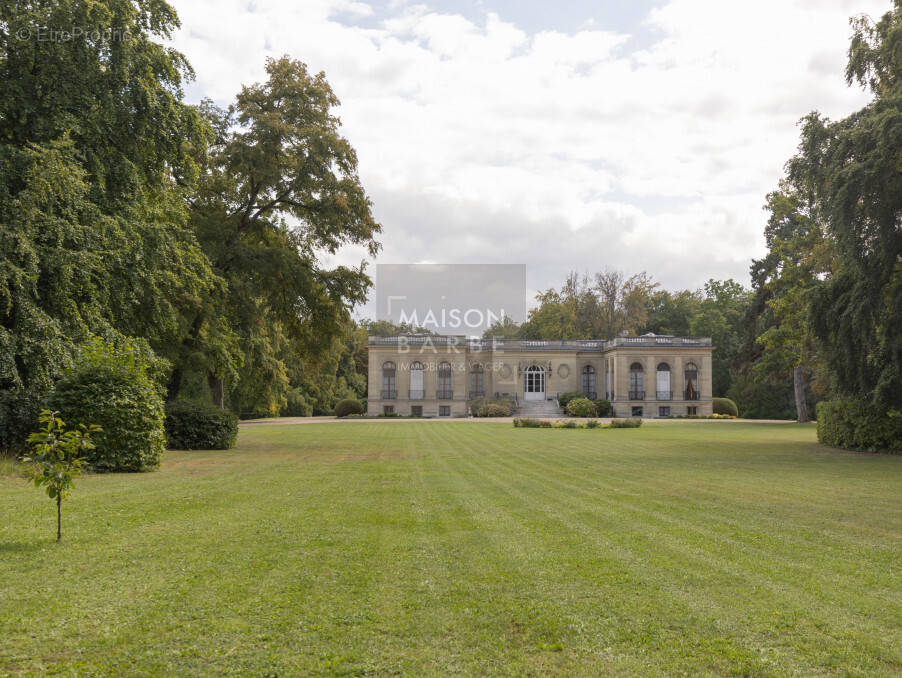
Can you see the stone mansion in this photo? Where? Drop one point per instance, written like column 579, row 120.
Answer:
column 437, row 376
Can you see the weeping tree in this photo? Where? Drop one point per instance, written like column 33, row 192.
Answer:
column 97, row 156
column 852, row 166
column 279, row 188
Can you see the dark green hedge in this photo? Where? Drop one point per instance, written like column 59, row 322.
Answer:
column 853, row 425
column 602, row 407
column 348, row 406
column 725, row 406
column 129, row 410
column 192, row 425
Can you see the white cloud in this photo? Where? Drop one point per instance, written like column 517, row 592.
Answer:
column 481, row 143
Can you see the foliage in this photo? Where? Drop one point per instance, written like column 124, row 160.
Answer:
column 721, row 316
column 297, row 403
column 480, row 407
column 57, row 459
column 757, row 399
column 564, row 398
column 602, row 407
column 527, row 422
column 851, row 168
column 581, row 407
column 477, row 405
column 279, row 190
column 625, row 423
column 725, row 406
column 853, row 425
column 348, row 406
column 589, row 308
column 194, row 425
column 593, row 423
column 97, row 156
column 672, row 312
column 111, row 385
column 496, row 410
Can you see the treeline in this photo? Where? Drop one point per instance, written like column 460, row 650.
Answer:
column 823, row 319
column 611, row 304
column 188, row 236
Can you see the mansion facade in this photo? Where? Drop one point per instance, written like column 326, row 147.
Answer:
column 437, row 376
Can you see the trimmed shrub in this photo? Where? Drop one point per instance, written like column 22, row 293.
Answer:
column 564, row 398
column 625, row 423
column 725, row 406
column 593, row 423
column 110, row 386
column 581, row 407
column 192, row 425
column 348, row 406
column 526, row 422
column 853, row 425
column 602, row 407
column 495, row 410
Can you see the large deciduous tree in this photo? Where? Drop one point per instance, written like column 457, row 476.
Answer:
column 784, row 281
column 97, row 155
column 279, row 189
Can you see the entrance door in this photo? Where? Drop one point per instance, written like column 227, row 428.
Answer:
column 534, row 383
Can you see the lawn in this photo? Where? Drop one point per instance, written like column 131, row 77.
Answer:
column 461, row 548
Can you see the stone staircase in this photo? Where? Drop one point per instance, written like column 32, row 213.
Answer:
column 539, row 409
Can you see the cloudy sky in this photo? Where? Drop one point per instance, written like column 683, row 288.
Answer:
column 582, row 135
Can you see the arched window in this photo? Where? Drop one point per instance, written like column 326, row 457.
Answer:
column 416, row 380
column 663, row 382
column 637, row 382
column 477, row 381
column 692, row 392
column 389, row 385
column 444, row 381
column 589, row 381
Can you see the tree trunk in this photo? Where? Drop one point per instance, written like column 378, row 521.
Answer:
column 59, row 517
column 175, row 384
column 217, row 390
column 798, row 384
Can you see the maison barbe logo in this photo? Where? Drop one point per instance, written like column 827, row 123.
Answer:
column 450, row 298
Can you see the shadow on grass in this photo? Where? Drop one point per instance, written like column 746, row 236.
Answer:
column 24, row 547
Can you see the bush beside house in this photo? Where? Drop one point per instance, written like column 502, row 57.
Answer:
column 725, row 406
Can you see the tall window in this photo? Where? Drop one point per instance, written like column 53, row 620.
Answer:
column 637, row 382
column 534, row 380
column 389, row 391
column 416, row 380
column 589, row 381
column 664, row 382
column 477, row 381
column 692, row 392
column 444, row 380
